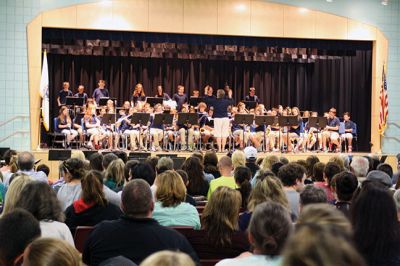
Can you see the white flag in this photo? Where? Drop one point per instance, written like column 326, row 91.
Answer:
column 44, row 93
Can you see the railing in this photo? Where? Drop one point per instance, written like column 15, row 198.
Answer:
column 397, row 125
column 17, row 132
column 22, row 117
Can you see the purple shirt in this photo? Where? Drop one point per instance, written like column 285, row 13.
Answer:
column 100, row 93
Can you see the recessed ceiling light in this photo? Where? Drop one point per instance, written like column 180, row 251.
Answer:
column 385, row 2
column 329, row 1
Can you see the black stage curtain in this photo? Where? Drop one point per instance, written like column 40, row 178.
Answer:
column 344, row 82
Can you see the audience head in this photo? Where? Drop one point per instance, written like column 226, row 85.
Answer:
column 73, row 169
column 268, row 187
column 184, row 176
column 168, row 258
column 108, row 158
column 242, row 175
column 78, row 154
column 171, row 190
column 127, row 168
column 359, row 166
column 374, row 219
column 51, row 252
column 379, row 176
column 275, row 167
column 121, row 155
column 14, row 191
column 268, row 161
column 17, row 229
column 225, row 166
column 238, row 158
column 164, row 164
column 152, row 161
column 338, row 160
column 220, row 216
column 311, row 161
column 137, row 199
column 8, row 155
column 345, row 183
column 43, row 168
column 25, row 161
column 318, row 172
column 284, row 160
column 199, row 155
column 331, row 169
column 291, row 174
column 143, row 171
column 40, row 199
column 385, row 167
column 311, row 194
column 396, row 197
column 115, row 172
column 210, row 158
column 195, row 171
column 269, row 228
column 96, row 161
column 92, row 188
column 251, row 154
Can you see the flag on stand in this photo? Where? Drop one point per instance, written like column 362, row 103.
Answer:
column 383, row 98
column 44, row 93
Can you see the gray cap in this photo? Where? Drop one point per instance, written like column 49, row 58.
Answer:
column 376, row 175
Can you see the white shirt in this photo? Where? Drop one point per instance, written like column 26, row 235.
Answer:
column 57, row 230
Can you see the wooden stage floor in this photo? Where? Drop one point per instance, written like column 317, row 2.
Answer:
column 42, row 154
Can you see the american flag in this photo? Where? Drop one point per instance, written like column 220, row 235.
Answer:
column 383, row 98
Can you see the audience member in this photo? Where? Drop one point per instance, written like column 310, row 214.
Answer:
column 121, row 155
column 312, row 195
column 51, row 251
column 198, row 186
column 251, row 157
column 330, row 170
column 376, row 228
column 170, row 208
column 397, row 173
column 114, row 175
column 318, row 174
column 292, row 176
column 238, row 158
column 396, row 197
column 17, row 230
column 39, row 199
column 10, row 166
column 275, row 167
column 242, row 175
column 164, row 164
column 168, row 258
column 268, row 161
column 338, row 160
column 270, row 227
column 211, row 164
column 127, row 168
column 14, row 192
column 268, row 188
column 152, row 161
column 26, row 162
column 226, row 179
column 359, row 167
column 92, row 207
column 185, row 179
column 96, row 161
column 311, row 161
column 43, row 168
column 380, row 176
column 135, row 235
column 385, row 167
column 344, row 186
column 78, row 154
column 143, row 171
column 108, row 158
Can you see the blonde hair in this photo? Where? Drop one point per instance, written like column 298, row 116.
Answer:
column 171, row 190
column 14, row 191
column 339, row 160
column 269, row 188
column 51, row 251
column 238, row 159
column 78, row 154
column 168, row 258
column 115, row 171
column 220, row 216
column 268, row 161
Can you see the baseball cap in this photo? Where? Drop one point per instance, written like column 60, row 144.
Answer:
column 250, row 152
column 377, row 175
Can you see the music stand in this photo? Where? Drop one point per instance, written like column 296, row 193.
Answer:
column 194, row 101
column 245, row 119
column 162, row 120
column 288, row 121
column 108, row 119
column 74, row 101
column 59, row 155
column 318, row 122
column 142, row 119
column 250, row 104
column 103, row 101
column 265, row 120
column 154, row 100
column 178, row 162
column 188, row 119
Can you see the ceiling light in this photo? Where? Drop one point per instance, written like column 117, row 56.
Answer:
column 329, row 1
column 385, row 2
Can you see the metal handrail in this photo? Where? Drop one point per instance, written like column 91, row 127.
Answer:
column 22, row 117
column 394, row 124
column 393, row 138
column 18, row 132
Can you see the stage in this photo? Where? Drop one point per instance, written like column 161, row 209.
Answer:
column 43, row 155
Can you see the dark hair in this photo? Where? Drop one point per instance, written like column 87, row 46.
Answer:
column 75, row 167
column 310, row 162
column 210, row 163
column 17, row 230
column 8, row 155
column 108, row 158
column 96, row 161
column 302, row 163
column 127, row 168
column 92, row 188
column 290, row 173
column 345, row 184
column 199, row 155
column 318, row 172
column 242, row 176
column 44, row 168
column 270, row 227
column 312, row 194
column 40, row 200
column 275, row 167
column 375, row 224
column 284, row 160
column 194, row 168
column 346, row 113
column 152, row 161
column 331, row 169
column 385, row 167
column 121, row 155
column 143, row 171
column 184, row 176
column 136, row 198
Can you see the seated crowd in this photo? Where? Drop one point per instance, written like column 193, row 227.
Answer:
column 235, row 210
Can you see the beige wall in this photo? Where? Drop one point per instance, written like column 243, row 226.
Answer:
column 224, row 17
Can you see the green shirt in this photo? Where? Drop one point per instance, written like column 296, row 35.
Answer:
column 183, row 214
column 227, row 181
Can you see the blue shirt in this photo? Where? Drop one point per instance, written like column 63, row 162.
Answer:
column 333, row 123
column 100, row 93
column 180, row 100
column 221, row 107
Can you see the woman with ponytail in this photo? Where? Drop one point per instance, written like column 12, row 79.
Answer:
column 243, row 176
